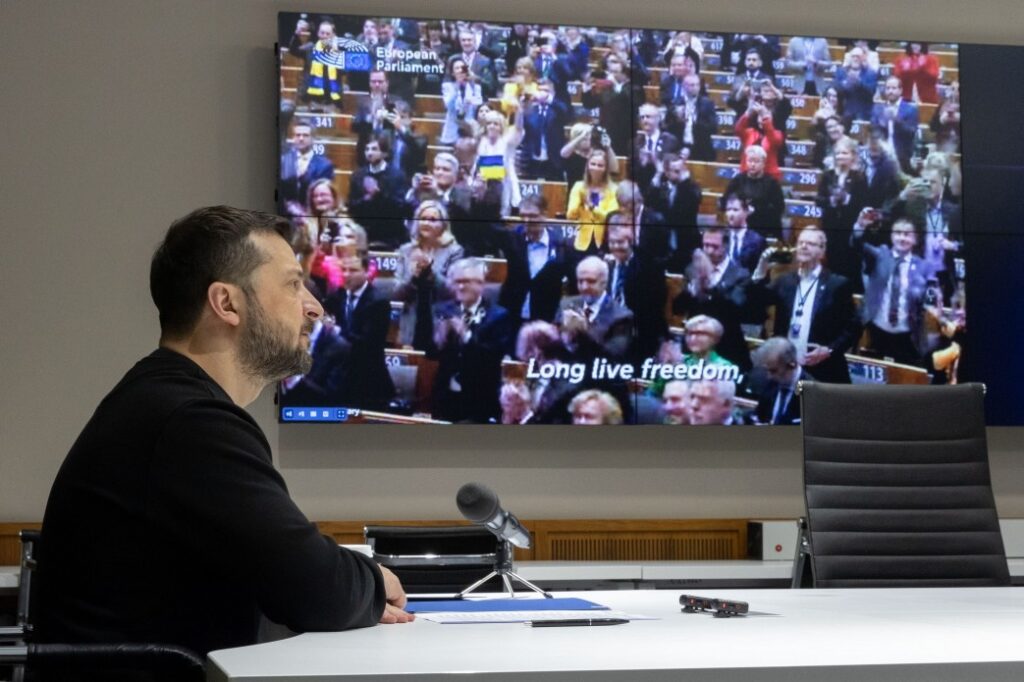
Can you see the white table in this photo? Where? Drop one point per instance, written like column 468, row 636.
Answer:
column 880, row 635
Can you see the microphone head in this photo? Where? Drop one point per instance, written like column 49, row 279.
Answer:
column 477, row 502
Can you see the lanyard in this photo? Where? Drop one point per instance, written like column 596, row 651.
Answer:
column 802, row 294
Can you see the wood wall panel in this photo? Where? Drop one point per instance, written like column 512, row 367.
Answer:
column 553, row 540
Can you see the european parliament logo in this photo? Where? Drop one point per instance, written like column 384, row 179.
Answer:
column 343, row 53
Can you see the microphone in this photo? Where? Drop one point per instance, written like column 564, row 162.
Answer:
column 479, row 504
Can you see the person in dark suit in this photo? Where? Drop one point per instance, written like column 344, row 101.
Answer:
column 925, row 199
column 676, row 195
column 637, row 282
column 671, row 87
column 544, row 135
column 745, row 244
column 377, row 189
column 538, row 262
column 469, row 340
column 762, row 192
column 650, row 236
column 748, row 79
column 813, row 308
column 479, row 65
column 693, row 120
column 881, row 171
column 300, row 166
column 650, row 144
column 895, row 290
column 319, row 385
column 372, row 111
column 898, row 118
column 613, row 93
column 592, row 324
column 717, row 287
column 403, row 85
column 363, row 316
column 778, row 402
column 841, row 196
column 408, row 148
column 554, row 67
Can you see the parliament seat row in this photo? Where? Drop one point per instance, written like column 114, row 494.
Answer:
column 799, row 153
column 798, row 212
column 427, row 107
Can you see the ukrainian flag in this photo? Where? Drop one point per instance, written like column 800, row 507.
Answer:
column 491, row 166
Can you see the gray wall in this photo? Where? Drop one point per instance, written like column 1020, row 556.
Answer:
column 120, row 116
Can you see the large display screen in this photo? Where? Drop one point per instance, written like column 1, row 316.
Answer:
column 550, row 224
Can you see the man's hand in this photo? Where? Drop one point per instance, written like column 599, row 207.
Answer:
column 763, row 263
column 574, row 322
column 817, row 355
column 393, row 612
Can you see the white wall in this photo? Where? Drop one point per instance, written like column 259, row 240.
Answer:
column 120, row 116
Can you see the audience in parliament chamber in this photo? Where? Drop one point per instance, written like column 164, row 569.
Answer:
column 644, row 175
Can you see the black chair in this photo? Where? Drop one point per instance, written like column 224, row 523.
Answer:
column 434, row 560
column 30, row 660
column 897, row 486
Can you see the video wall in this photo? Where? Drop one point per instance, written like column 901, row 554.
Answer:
column 547, row 224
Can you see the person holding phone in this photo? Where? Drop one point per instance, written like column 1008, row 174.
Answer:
column 813, row 307
column 590, row 202
column 461, row 95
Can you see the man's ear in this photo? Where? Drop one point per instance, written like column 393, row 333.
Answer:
column 226, row 301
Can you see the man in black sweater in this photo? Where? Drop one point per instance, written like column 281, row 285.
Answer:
column 167, row 521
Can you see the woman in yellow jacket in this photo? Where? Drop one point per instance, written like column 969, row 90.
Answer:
column 590, row 201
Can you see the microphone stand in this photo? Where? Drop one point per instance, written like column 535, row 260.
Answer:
column 503, row 568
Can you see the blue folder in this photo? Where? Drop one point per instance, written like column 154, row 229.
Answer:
column 477, row 605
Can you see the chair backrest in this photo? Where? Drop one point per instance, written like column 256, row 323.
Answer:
column 434, row 558
column 113, row 660
column 897, row 486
